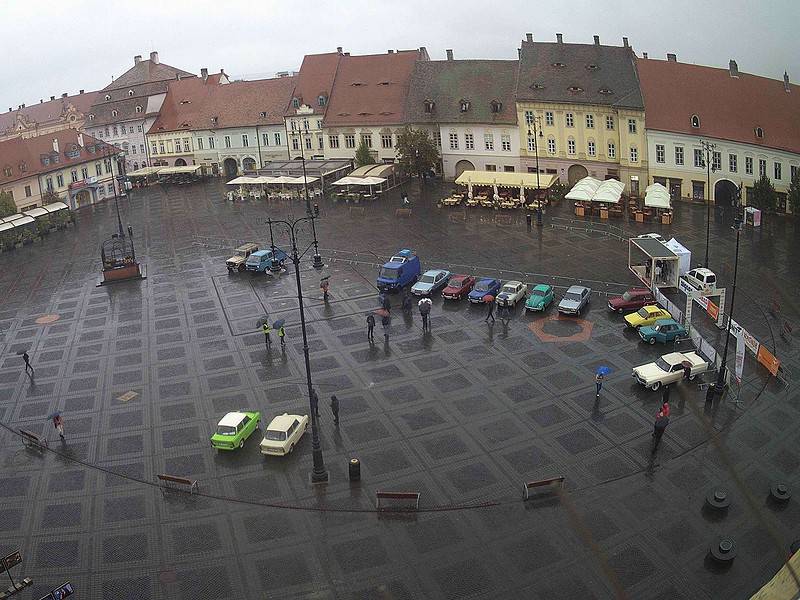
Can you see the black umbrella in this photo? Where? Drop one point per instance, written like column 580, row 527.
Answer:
column 21, row 352
column 261, row 321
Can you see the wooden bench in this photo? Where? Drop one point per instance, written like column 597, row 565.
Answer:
column 402, row 212
column 31, row 440
column 549, row 483
column 398, row 501
column 179, row 481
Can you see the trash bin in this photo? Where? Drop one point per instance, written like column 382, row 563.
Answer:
column 529, row 220
column 354, row 469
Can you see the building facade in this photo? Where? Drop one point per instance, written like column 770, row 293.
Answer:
column 66, row 112
column 580, row 108
column 81, row 170
column 751, row 121
column 125, row 109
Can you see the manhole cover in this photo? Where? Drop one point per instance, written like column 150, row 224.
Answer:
column 45, row 319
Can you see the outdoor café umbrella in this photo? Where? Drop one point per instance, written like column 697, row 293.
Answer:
column 488, row 298
column 604, row 370
column 278, row 324
column 382, row 312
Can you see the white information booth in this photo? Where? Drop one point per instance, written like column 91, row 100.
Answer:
column 653, row 263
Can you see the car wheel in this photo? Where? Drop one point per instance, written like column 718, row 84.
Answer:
column 290, row 449
column 652, row 341
column 241, row 444
column 242, row 268
column 620, row 311
column 655, row 386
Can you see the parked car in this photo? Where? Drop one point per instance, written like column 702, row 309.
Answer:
column 234, row 429
column 483, row 287
column 647, row 315
column 663, row 331
column 458, row 286
column 511, row 293
column 431, row 282
column 574, row 300
column 669, row 369
column 261, row 261
column 702, row 279
column 633, row 299
column 540, row 298
column 237, row 261
column 283, row 433
column 400, row 270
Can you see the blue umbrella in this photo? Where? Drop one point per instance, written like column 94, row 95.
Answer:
column 53, row 415
column 603, row 370
column 279, row 323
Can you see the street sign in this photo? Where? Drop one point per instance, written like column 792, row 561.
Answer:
column 12, row 560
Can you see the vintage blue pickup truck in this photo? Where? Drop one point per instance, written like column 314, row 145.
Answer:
column 261, row 261
column 400, row 270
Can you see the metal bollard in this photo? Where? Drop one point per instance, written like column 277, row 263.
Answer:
column 354, row 469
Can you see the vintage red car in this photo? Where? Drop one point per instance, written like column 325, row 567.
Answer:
column 458, row 287
column 632, row 300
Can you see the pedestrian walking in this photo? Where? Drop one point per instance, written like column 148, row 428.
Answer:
column 407, row 303
column 335, row 409
column 27, row 360
column 665, row 409
column 598, row 382
column 658, row 429
column 386, row 321
column 58, row 423
column 687, row 370
column 282, row 336
column 425, row 311
column 404, row 196
column 315, row 403
column 490, row 313
column 267, row 329
column 386, row 304
column 323, row 286
column 370, row 328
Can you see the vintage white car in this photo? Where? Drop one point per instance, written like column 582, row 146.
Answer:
column 511, row 293
column 283, row 433
column 669, row 369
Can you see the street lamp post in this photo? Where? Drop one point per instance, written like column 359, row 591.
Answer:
column 317, row 258
column 534, row 121
column 319, row 474
column 109, row 157
column 708, row 151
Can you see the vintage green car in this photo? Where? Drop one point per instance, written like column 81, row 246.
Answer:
column 234, row 428
column 541, row 297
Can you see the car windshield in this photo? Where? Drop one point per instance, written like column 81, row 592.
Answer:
column 538, row 293
column 455, row 282
column 509, row 289
column 663, row 365
column 226, row 430
column 642, row 312
column 572, row 296
column 627, row 296
column 275, row 436
column 426, row 279
column 389, row 273
column 482, row 286
column 241, row 253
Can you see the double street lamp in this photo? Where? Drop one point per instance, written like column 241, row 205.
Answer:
column 534, row 121
column 301, row 139
column 708, row 150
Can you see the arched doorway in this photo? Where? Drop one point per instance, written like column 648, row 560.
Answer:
column 180, row 163
column 576, row 173
column 248, row 164
column 725, row 193
column 136, row 166
column 83, row 198
column 463, row 165
column 230, row 166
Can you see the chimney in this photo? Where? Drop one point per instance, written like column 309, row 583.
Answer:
column 560, row 38
column 597, row 40
column 204, row 73
column 449, row 52
column 177, row 76
column 733, row 68
column 80, row 91
column 137, row 59
column 23, row 105
column 55, row 144
column 390, row 51
column 338, row 49
column 528, row 37
column 154, row 58
column 41, row 101
column 80, row 140
column 64, row 95
column 644, row 54
column 347, row 54
column 52, row 97
column 786, row 87
column 625, row 42
column 671, row 57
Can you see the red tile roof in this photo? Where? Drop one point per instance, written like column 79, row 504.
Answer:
column 48, row 112
column 730, row 108
column 371, row 89
column 24, row 156
column 191, row 103
column 315, row 78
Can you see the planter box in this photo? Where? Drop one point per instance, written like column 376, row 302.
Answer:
column 604, row 213
column 639, row 217
column 579, row 211
column 127, row 272
column 666, row 219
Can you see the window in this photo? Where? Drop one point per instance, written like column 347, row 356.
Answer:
column 245, row 141
column 570, row 120
column 660, row 154
column 367, row 139
column 716, row 161
column 133, row 149
column 295, row 144
column 793, row 172
column 293, row 124
column 130, row 92
column 777, row 168
column 678, row 155
column 107, row 133
column 321, row 100
column 186, row 147
column 60, row 180
column 305, row 124
column 634, row 154
column 333, row 141
column 759, row 132
column 589, row 121
column 571, row 146
column 531, row 143
column 732, row 163
column 28, row 191
column 505, row 141
column 161, row 146
column 319, row 124
column 98, row 169
column 698, row 158
column 265, row 139
column 277, row 139
column 110, row 188
column 464, row 105
column 591, row 149
column 437, row 136
column 349, row 140
column 138, row 110
column 227, row 141
column 114, row 113
column 153, row 149
column 107, row 165
column 320, row 142
column 609, row 122
column 386, row 140
column 488, row 141
column 74, row 175
column 453, row 141
column 508, row 168
column 469, row 141
column 130, row 129
column 551, row 145
column 295, row 103
column 108, row 96
column 7, row 171
column 528, row 117
column 631, row 125
column 491, row 167
column 139, row 128
column 308, row 143
column 495, row 106
column 199, row 143
column 548, row 117
column 211, row 143
column 762, row 167
column 177, row 146
column 49, row 184
column 116, row 131
column 695, row 121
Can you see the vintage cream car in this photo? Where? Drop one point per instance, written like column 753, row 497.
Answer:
column 237, row 261
column 283, row 433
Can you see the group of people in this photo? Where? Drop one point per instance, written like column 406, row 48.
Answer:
column 267, row 329
column 424, row 305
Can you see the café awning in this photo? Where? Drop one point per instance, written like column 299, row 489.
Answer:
column 527, row 181
column 144, row 171
column 36, row 212
column 55, row 207
column 657, row 196
column 23, row 221
column 188, row 169
column 244, row 181
column 300, row 180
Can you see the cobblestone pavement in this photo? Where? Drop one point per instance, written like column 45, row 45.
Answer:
column 463, row 415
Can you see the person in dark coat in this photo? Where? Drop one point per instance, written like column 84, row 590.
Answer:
column 490, row 313
column 386, row 321
column 425, row 311
column 659, row 427
column 407, row 303
column 598, row 382
column 315, row 403
column 335, row 409
column 370, row 328
column 27, row 360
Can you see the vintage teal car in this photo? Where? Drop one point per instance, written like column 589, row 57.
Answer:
column 541, row 297
column 664, row 330
column 234, row 428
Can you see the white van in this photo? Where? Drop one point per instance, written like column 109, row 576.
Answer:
column 702, row 279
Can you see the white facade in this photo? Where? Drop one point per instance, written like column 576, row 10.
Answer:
column 478, row 147
column 342, row 142
column 305, row 128
column 249, row 147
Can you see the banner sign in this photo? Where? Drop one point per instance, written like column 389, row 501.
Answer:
column 766, row 358
column 751, row 342
column 739, row 355
column 712, row 309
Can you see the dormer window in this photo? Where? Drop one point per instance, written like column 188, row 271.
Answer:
column 384, row 82
column 759, row 132
column 592, row 67
column 45, row 159
column 322, row 100
column 357, row 84
column 695, row 122
column 185, row 125
column 23, row 167
column 130, row 92
column 606, row 91
column 91, row 117
column 263, row 114
column 138, row 109
column 114, row 113
column 186, row 101
column 537, row 86
column 575, row 89
column 429, row 104
column 213, row 120
column 558, row 65
column 295, row 102
column 7, row 171
column 495, row 106
column 108, row 96
column 464, row 105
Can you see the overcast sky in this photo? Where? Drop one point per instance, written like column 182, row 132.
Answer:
column 54, row 47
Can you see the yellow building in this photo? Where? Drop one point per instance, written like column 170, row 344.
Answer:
column 580, row 109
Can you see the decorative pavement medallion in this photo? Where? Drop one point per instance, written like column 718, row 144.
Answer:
column 562, row 329
column 46, row 319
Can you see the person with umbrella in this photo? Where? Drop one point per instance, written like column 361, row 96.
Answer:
column 489, row 299
column 425, row 311
column 279, row 325
column 598, row 379
column 58, row 423
column 323, row 286
column 27, row 360
column 267, row 329
column 386, row 321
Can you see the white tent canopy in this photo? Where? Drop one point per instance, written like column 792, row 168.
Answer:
column 300, row 180
column 584, row 189
column 55, row 206
column 609, row 191
column 657, row 196
column 590, row 189
column 243, row 181
column 683, row 254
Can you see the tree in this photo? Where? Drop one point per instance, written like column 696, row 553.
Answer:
column 763, row 195
column 363, row 156
column 417, row 153
column 794, row 193
column 7, row 205
column 49, row 197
